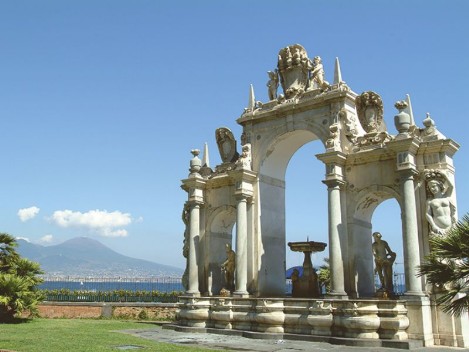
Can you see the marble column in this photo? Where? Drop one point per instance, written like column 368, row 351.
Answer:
column 241, row 247
column 410, row 233
column 194, row 232
column 335, row 233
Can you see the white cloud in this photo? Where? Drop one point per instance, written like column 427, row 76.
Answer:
column 107, row 224
column 26, row 214
column 23, row 238
column 46, row 239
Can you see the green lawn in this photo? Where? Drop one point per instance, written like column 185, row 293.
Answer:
column 77, row 335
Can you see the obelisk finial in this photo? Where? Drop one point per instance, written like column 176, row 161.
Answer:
column 252, row 99
column 205, row 158
column 337, row 73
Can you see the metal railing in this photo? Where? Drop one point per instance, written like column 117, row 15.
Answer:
column 121, row 289
column 398, row 283
column 162, row 284
column 111, row 289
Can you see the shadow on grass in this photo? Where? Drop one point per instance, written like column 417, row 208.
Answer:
column 9, row 320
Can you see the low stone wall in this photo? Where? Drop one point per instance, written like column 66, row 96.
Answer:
column 362, row 319
column 144, row 311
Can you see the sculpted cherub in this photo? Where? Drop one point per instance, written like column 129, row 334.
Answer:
column 317, row 74
column 272, row 84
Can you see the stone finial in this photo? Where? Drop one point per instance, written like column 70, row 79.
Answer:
column 252, row 99
column 195, row 163
column 370, row 111
column 409, row 109
column 400, row 105
column 402, row 120
column 430, row 132
column 337, row 73
column 205, row 157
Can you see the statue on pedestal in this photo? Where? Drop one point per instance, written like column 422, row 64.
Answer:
column 272, row 84
column 317, row 74
column 228, row 267
column 384, row 259
column 244, row 161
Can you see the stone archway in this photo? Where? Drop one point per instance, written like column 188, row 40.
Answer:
column 360, row 231
column 221, row 221
column 272, row 207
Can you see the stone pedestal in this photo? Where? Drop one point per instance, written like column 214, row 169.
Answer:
column 420, row 319
column 449, row 330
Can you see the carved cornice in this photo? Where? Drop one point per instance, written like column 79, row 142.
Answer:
column 447, row 146
column 305, row 103
column 410, row 145
column 369, row 156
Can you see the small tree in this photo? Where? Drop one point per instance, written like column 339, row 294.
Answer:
column 18, row 281
column 324, row 276
column 447, row 267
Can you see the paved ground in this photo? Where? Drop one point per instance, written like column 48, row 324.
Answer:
column 238, row 343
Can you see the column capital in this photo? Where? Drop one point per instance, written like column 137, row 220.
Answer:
column 333, row 157
column 195, row 188
column 242, row 197
column 244, row 182
column 195, row 202
column 334, row 183
column 408, row 173
column 197, row 182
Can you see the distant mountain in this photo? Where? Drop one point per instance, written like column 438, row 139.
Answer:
column 84, row 256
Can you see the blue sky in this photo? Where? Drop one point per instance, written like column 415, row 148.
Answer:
column 102, row 101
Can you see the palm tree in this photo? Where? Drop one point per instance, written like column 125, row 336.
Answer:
column 8, row 253
column 324, row 276
column 18, row 281
column 447, row 267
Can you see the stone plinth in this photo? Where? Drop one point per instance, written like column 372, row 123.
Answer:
column 371, row 319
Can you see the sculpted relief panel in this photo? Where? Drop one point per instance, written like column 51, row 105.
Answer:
column 440, row 210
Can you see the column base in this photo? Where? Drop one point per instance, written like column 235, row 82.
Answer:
column 409, row 294
column 241, row 294
column 337, row 295
column 420, row 319
column 192, row 293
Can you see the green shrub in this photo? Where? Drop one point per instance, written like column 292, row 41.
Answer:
column 18, row 281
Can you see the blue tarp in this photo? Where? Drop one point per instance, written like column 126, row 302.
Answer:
column 290, row 271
